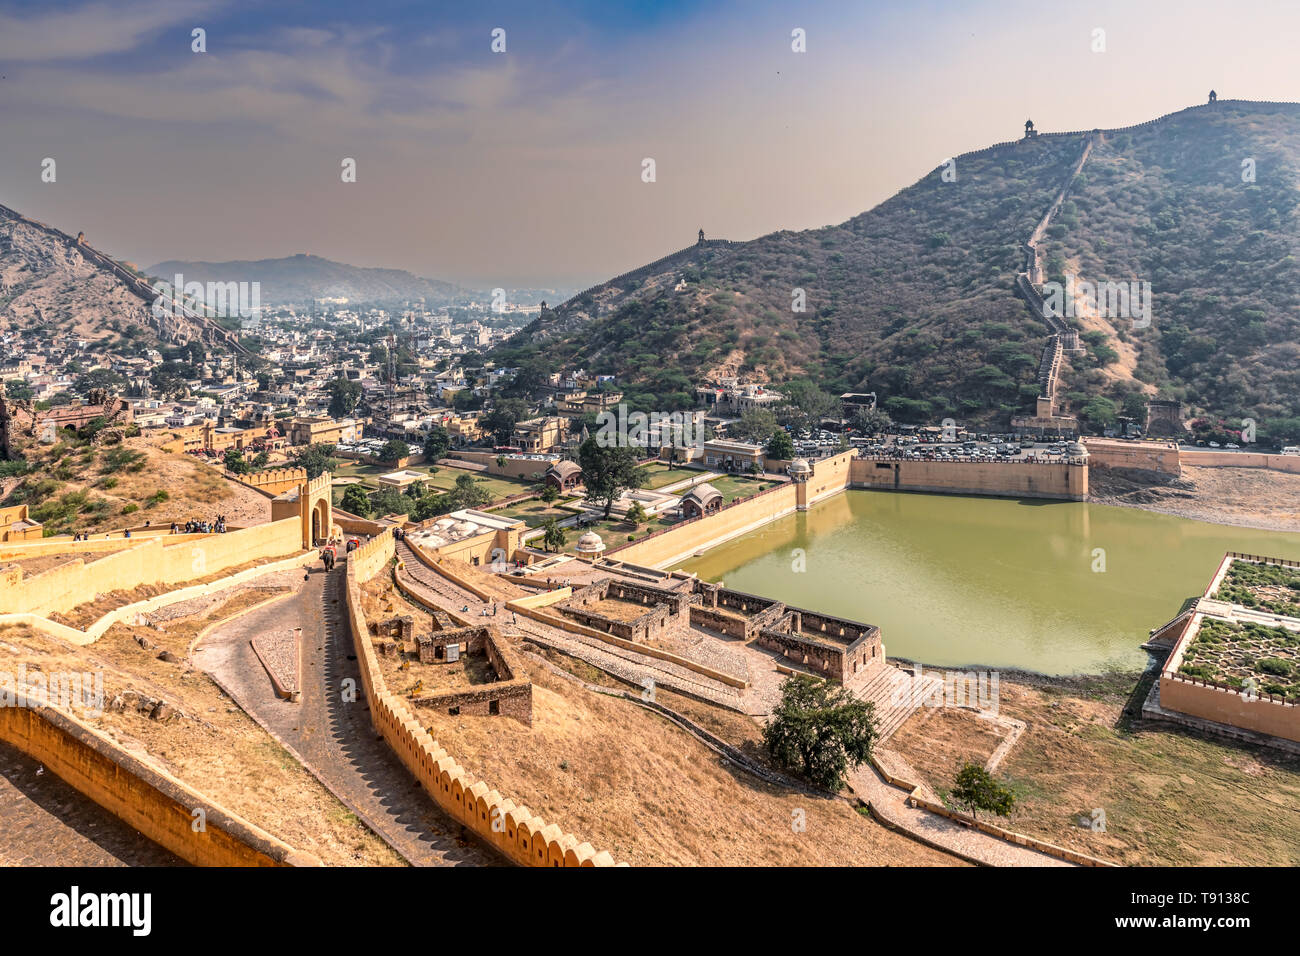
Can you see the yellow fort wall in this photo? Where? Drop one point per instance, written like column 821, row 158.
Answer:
column 512, row 830
column 151, row 562
column 1004, row 479
column 142, row 796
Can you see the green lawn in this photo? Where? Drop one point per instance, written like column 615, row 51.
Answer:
column 534, row 512
column 735, row 486
column 443, row 480
column 661, row 475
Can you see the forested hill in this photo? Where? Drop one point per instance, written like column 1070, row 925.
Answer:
column 915, row 299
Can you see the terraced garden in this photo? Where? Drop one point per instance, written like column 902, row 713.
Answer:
column 1233, row 653
column 1264, row 587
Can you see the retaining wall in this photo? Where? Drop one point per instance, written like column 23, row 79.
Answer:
column 142, row 796
column 152, row 562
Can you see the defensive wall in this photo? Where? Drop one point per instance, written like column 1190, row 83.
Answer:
column 1066, row 480
column 513, row 830
column 274, row 481
column 147, row 799
column 152, row 562
column 1242, row 459
column 1153, row 457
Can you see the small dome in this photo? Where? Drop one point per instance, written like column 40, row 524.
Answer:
column 1076, row 450
column 800, row 466
column 590, row 543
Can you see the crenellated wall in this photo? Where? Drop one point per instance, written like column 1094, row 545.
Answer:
column 515, row 831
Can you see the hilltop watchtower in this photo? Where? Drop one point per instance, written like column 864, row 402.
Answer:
column 701, row 240
column 1030, row 132
column 1213, row 96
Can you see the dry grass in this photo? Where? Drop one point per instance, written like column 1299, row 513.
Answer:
column 628, row 781
column 218, row 750
column 1169, row 797
column 945, row 739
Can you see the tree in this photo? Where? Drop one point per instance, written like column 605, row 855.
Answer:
column 636, row 515
column 780, row 445
column 436, row 443
column 554, row 537
column 389, row 501
column 315, row 459
column 820, row 731
column 608, row 472
column 235, row 463
column 344, row 395
column 805, row 405
column 755, row 425
column 975, row 789
column 503, row 418
column 873, row 421
column 549, row 493
column 394, row 449
column 356, row 501
column 261, row 460
column 431, row 506
column 467, row 493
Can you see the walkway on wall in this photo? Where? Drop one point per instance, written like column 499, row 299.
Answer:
column 47, row 822
column 1060, row 336
column 335, row 740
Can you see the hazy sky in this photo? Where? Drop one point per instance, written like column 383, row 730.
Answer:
column 524, row 167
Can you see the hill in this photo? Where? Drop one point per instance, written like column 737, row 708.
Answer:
column 54, row 287
column 297, row 280
column 916, row 298
column 79, row 484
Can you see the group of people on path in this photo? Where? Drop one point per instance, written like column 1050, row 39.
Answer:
column 216, row 526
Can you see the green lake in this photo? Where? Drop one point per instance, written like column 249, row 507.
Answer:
column 1052, row 587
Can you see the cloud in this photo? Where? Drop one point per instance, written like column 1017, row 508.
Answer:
column 93, row 29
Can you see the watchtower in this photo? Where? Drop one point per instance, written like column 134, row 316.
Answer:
column 1030, row 132
column 1213, row 96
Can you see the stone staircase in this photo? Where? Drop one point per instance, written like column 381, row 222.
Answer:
column 895, row 693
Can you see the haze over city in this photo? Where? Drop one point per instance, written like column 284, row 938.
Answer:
column 524, row 167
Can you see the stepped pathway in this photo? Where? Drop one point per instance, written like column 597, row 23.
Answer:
column 1061, row 335
column 333, row 738
column 895, row 693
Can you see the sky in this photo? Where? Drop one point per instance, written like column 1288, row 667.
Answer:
column 525, row 167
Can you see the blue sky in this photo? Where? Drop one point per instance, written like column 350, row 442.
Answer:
column 524, row 167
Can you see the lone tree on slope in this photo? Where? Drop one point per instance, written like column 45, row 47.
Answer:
column 820, row 731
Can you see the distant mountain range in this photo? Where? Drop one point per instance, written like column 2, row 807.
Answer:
column 298, row 280
column 916, row 298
